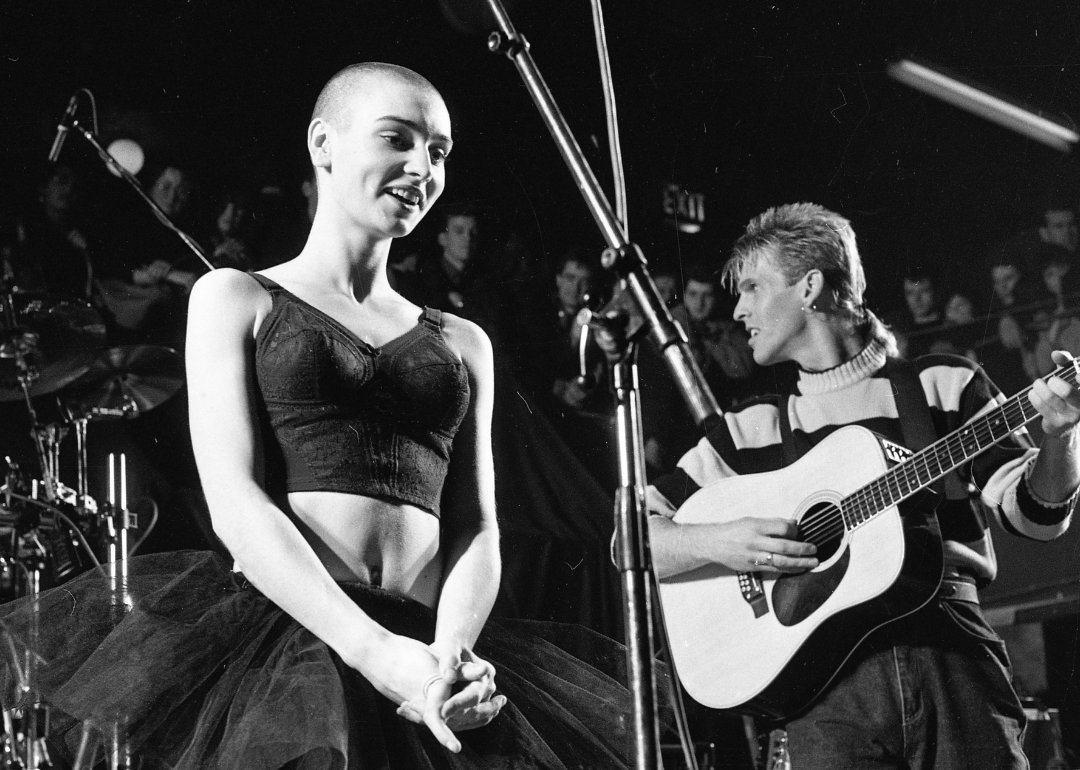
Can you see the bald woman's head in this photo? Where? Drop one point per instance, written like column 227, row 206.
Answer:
column 333, row 104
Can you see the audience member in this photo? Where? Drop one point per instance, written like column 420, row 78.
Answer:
column 550, row 327
column 921, row 313
column 444, row 280
column 720, row 344
column 1057, row 226
column 1012, row 297
column 232, row 242
column 722, row 352
column 145, row 287
column 667, row 284
column 44, row 248
column 960, row 330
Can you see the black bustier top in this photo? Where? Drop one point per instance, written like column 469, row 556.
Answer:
column 340, row 415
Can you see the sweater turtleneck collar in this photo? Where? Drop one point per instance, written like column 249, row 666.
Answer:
column 869, row 360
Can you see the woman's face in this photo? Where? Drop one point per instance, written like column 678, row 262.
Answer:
column 171, row 191
column 386, row 166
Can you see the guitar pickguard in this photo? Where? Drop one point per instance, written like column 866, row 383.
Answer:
column 797, row 597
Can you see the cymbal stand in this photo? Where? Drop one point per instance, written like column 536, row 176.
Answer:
column 82, row 482
column 31, row 722
column 118, row 519
column 50, row 437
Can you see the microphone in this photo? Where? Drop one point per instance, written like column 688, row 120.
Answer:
column 63, row 127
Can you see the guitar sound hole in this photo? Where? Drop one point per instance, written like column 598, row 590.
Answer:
column 823, row 525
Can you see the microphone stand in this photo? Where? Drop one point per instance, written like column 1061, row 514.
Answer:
column 124, row 174
column 627, row 261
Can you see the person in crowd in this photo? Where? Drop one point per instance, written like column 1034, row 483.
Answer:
column 921, row 314
column 1057, row 226
column 960, row 331
column 667, row 284
column 1013, row 296
column 550, row 325
column 145, row 284
column 233, row 238
column 719, row 343
column 800, row 282
column 1056, row 325
column 445, row 280
column 45, row 247
column 343, row 440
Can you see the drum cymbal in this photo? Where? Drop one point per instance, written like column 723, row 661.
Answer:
column 62, row 323
column 50, row 376
column 55, row 336
column 127, row 381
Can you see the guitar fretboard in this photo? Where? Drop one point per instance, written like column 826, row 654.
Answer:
column 931, row 463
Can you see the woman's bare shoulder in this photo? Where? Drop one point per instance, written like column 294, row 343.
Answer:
column 467, row 339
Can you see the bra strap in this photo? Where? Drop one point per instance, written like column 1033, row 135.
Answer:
column 270, row 285
column 433, row 317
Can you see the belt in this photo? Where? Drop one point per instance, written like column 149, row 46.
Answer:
column 957, row 590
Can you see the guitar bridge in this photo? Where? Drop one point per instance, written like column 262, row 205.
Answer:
column 753, row 592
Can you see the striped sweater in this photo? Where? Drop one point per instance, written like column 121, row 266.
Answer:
column 748, row 440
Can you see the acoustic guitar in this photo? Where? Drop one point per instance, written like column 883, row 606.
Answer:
column 769, row 645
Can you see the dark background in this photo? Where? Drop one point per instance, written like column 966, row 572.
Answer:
column 754, row 104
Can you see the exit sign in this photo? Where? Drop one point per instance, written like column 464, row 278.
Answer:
column 684, row 207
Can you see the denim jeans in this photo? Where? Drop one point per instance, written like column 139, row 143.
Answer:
column 932, row 690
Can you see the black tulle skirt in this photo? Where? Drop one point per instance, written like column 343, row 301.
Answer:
column 204, row 672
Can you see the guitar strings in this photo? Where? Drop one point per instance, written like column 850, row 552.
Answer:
column 879, row 494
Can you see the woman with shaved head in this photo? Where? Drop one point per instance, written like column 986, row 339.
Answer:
column 343, row 440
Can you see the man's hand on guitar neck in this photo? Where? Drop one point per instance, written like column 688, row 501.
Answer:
column 1056, row 474
column 1057, row 401
column 742, row 545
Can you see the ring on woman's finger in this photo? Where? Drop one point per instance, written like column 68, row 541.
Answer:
column 430, row 681
column 768, row 560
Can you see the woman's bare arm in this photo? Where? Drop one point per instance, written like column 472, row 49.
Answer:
column 268, row 548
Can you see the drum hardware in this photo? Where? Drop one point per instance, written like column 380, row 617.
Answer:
column 125, row 382
column 54, row 345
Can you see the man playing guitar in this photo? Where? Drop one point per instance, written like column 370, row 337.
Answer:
column 930, row 688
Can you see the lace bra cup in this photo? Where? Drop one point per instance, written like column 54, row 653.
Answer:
column 341, row 415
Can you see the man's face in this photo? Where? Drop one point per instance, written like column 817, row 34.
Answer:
column 771, row 311
column 172, row 191
column 572, row 284
column 699, row 299
column 1052, row 275
column 919, row 296
column 459, row 240
column 1060, row 229
column 959, row 310
column 386, row 165
column 1005, row 278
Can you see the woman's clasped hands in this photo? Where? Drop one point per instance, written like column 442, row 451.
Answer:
column 444, row 686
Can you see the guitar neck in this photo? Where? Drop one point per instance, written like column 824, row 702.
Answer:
column 945, row 455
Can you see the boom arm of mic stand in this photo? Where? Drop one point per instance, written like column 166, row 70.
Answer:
column 126, row 175
column 631, row 527
column 624, row 258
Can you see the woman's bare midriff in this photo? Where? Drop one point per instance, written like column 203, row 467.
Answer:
column 390, row 545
